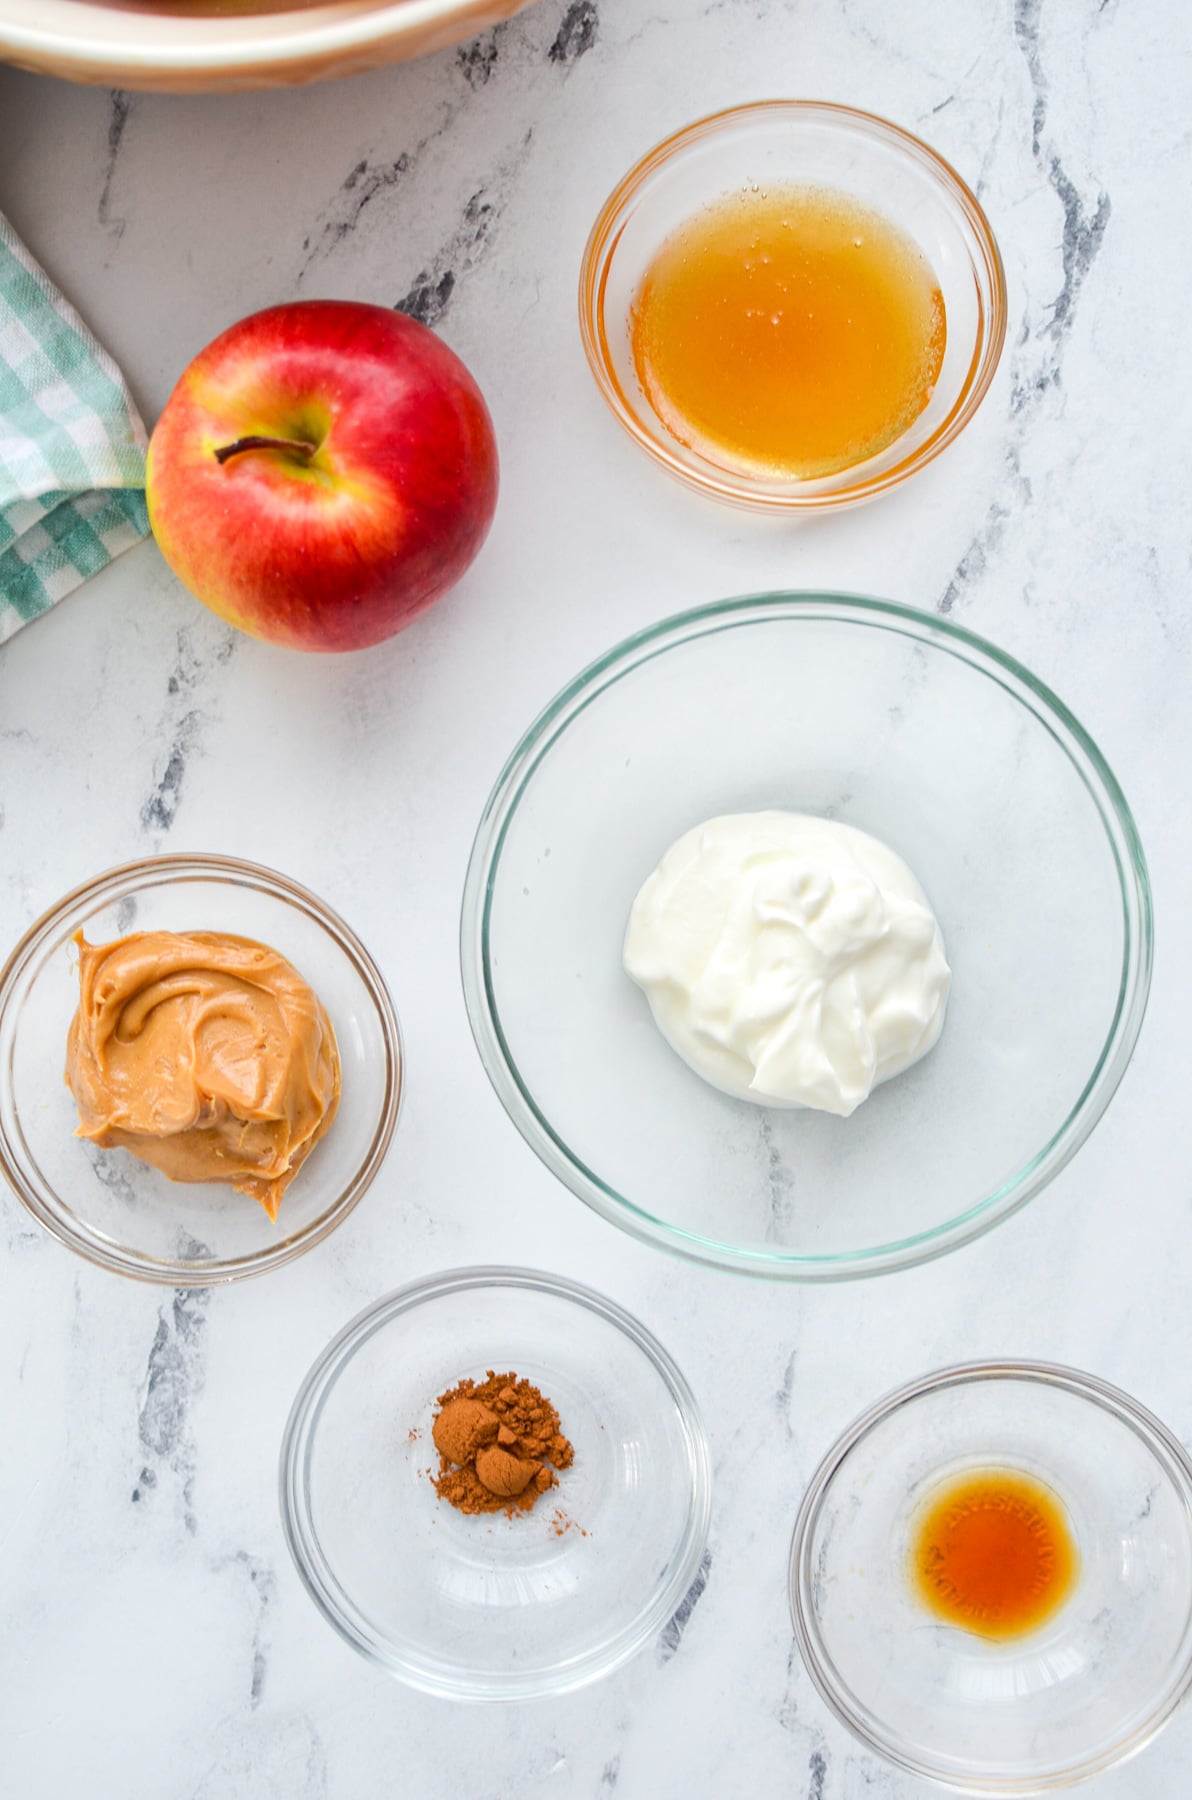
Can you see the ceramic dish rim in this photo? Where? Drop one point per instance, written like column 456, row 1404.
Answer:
column 838, row 1697
column 934, row 632
column 851, row 485
column 136, row 876
column 85, row 47
column 302, row 1539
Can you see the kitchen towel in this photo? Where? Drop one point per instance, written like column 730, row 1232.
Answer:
column 72, row 446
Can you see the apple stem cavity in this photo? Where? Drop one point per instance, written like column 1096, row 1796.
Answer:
column 298, row 446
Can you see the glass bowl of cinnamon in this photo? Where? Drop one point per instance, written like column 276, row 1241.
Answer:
column 495, row 1485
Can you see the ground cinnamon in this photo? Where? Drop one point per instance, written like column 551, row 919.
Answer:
column 499, row 1444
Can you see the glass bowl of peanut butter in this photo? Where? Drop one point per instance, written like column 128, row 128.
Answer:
column 202, row 1070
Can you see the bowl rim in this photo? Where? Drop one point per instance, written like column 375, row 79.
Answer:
column 934, row 631
column 852, row 1712
column 314, row 1570
column 85, row 48
column 134, row 877
column 850, row 486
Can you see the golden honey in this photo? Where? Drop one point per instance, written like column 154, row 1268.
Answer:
column 789, row 332
column 993, row 1553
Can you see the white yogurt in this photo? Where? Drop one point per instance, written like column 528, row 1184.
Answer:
column 789, row 960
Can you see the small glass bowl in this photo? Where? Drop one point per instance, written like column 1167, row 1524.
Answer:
column 115, row 1210
column 809, row 143
column 1090, row 1686
column 488, row 1607
column 893, row 721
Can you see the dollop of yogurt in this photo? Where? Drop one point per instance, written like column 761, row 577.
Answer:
column 789, row 960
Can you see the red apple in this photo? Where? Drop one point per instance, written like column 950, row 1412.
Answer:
column 322, row 472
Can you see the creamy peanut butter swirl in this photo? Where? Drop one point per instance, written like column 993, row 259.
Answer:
column 206, row 1055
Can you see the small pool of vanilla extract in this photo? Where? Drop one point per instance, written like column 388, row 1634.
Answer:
column 993, row 1553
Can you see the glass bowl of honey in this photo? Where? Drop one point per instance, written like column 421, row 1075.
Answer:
column 792, row 305
column 991, row 1577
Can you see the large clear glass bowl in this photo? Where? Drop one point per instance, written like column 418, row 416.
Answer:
column 894, row 721
column 486, row 1607
column 118, row 1212
column 1087, row 1688
column 803, row 143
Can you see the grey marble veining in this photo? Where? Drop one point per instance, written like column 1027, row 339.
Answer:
column 154, row 1639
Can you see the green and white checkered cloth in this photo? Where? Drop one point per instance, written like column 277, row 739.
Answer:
column 72, row 446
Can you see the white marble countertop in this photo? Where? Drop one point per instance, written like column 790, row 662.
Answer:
column 154, row 1639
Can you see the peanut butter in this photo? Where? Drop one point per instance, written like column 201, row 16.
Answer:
column 206, row 1055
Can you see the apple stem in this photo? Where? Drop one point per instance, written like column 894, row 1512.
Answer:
column 298, row 445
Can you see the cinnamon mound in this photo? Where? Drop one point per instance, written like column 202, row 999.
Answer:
column 499, row 1443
